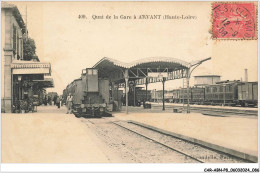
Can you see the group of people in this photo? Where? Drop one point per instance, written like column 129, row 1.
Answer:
column 58, row 102
column 47, row 100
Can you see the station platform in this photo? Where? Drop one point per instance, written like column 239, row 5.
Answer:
column 205, row 106
column 236, row 133
column 49, row 136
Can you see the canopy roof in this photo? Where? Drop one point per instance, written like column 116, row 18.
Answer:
column 30, row 67
column 153, row 62
column 160, row 62
column 111, row 68
column 46, row 83
column 107, row 66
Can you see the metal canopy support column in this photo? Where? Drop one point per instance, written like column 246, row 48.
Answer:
column 163, row 82
column 188, row 92
column 113, row 90
column 126, row 89
column 134, row 94
column 146, row 86
column 117, row 96
column 224, row 95
column 189, row 71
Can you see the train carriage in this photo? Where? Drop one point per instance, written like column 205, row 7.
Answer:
column 230, row 93
column 140, row 96
column 248, row 93
column 197, row 95
column 184, row 95
column 176, row 96
column 168, row 96
column 221, row 93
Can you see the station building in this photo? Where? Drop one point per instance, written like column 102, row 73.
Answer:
column 21, row 81
column 203, row 80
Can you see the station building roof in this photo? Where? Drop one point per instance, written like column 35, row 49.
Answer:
column 16, row 13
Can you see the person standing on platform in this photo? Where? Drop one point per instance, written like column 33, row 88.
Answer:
column 61, row 100
column 69, row 103
column 58, row 102
column 49, row 100
column 54, row 99
column 45, row 100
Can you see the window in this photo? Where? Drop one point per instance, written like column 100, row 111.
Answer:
column 90, row 71
column 94, row 71
column 228, row 88
column 18, row 46
column 14, row 39
column 221, row 89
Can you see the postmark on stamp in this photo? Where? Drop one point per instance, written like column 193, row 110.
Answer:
column 234, row 20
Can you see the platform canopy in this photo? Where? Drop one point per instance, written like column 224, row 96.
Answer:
column 30, row 67
column 46, row 83
column 140, row 70
column 145, row 71
column 108, row 67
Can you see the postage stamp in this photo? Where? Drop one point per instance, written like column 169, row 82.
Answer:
column 234, row 20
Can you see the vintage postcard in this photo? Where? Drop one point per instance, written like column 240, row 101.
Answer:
column 130, row 82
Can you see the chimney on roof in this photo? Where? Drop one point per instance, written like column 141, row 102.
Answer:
column 246, row 75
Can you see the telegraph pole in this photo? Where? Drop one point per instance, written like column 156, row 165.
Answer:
column 189, row 71
column 126, row 89
column 188, row 93
column 146, row 89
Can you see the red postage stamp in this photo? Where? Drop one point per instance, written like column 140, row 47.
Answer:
column 234, row 20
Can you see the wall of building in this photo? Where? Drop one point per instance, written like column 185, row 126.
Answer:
column 2, row 52
column 206, row 80
column 7, row 56
column 8, row 23
column 19, row 40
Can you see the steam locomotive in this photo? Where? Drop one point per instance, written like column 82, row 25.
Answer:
column 90, row 95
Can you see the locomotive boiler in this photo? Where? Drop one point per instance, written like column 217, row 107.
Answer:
column 90, row 94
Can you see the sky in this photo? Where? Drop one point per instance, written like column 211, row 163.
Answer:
column 71, row 44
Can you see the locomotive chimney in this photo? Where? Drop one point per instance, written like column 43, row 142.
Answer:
column 246, row 75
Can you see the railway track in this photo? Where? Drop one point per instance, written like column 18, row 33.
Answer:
column 196, row 152
column 213, row 111
column 176, row 150
column 131, row 147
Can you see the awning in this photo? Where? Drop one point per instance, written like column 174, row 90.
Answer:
column 152, row 62
column 141, row 70
column 46, row 83
column 30, row 67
